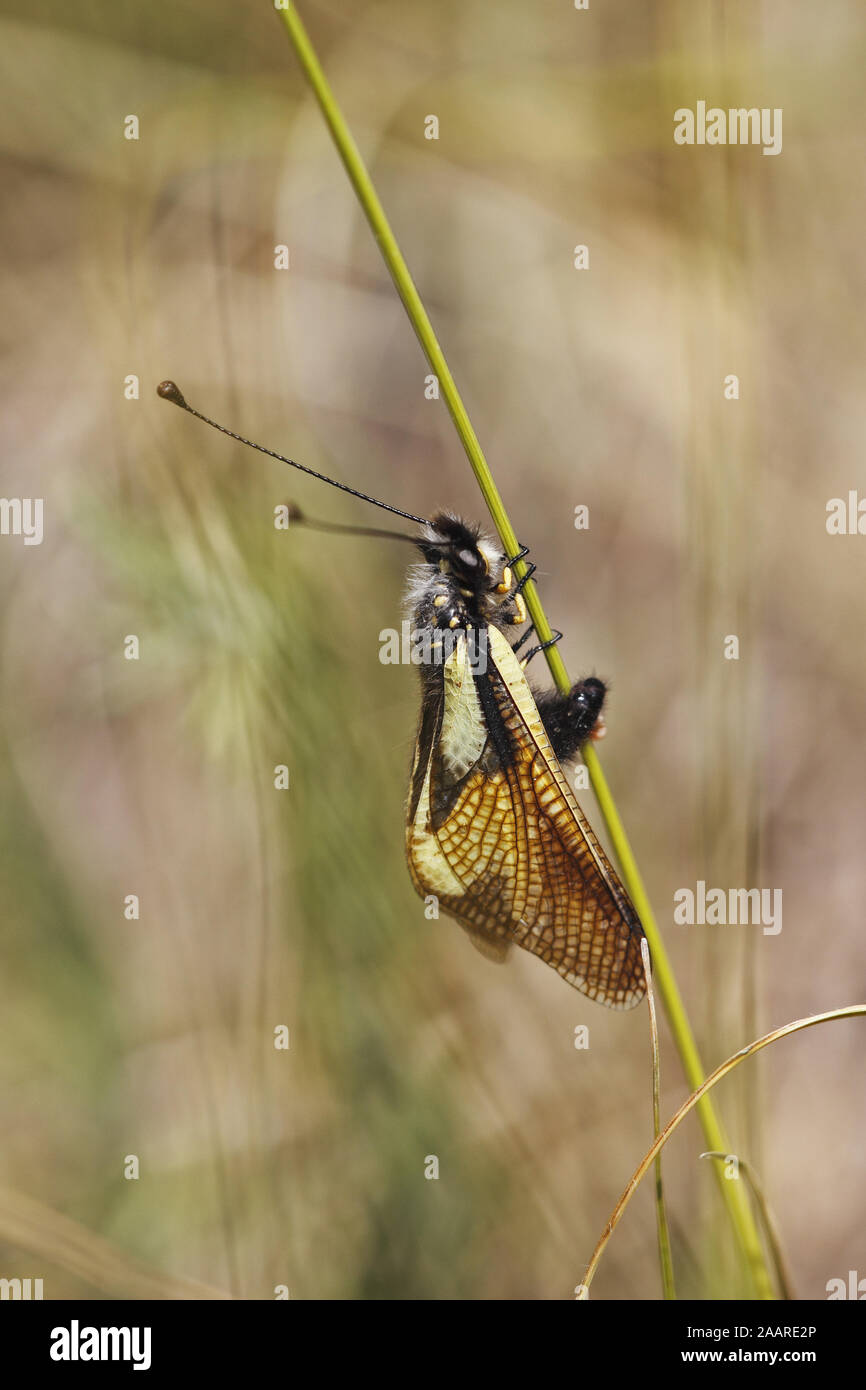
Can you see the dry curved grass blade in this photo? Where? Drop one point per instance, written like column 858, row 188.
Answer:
column 852, row 1011
column 41, row 1231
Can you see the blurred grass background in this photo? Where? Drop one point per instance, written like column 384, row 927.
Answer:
column 155, row 777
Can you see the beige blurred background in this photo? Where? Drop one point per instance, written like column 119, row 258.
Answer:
column 154, row 777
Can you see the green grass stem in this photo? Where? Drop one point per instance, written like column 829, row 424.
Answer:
column 664, row 1236
column 734, row 1194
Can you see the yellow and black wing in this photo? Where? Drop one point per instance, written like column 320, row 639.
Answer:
column 495, row 833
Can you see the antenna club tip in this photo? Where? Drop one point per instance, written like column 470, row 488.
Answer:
column 171, row 392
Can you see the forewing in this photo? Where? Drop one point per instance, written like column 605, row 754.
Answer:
column 508, row 852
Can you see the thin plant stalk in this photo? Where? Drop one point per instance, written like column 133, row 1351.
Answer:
column 771, row 1229
column 852, row 1011
column 740, row 1212
column 664, row 1236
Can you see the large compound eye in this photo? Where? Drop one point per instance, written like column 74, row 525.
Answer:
column 468, row 559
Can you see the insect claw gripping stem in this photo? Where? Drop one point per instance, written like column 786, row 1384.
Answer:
column 524, row 550
column 528, row 633
column 530, row 569
column 541, row 646
column 522, row 583
column 518, row 588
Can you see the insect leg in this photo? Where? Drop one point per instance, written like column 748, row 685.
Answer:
column 522, row 583
column 540, row 647
column 515, row 595
column 530, row 631
column 523, row 551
